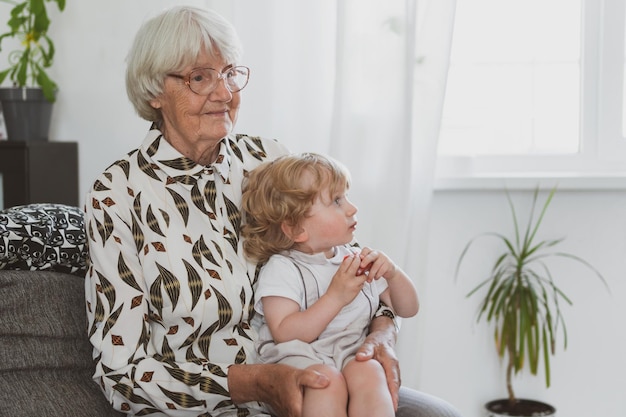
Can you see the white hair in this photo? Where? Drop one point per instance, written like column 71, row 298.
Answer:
column 169, row 42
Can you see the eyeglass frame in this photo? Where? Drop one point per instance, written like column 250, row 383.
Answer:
column 220, row 76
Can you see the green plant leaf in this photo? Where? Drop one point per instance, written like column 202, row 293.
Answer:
column 16, row 21
column 499, row 299
column 47, row 85
column 22, row 68
column 47, row 52
column 546, row 358
column 41, row 21
column 542, row 214
column 60, row 4
column 534, row 349
column 4, row 74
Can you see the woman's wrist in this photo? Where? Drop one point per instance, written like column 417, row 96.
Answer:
column 243, row 383
column 378, row 324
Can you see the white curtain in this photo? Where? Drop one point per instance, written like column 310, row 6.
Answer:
column 392, row 61
column 364, row 82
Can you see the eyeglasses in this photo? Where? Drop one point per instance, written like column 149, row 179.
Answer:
column 203, row 81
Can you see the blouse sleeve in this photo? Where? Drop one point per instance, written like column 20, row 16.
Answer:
column 134, row 378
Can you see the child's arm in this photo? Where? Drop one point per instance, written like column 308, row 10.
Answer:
column 400, row 294
column 285, row 320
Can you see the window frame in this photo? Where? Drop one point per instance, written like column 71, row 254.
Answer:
column 601, row 162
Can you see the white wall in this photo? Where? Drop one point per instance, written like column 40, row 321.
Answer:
column 456, row 360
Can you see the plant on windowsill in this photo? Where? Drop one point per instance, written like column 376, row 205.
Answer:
column 521, row 298
column 28, row 24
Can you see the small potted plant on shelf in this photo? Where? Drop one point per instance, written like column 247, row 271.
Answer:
column 27, row 103
column 521, row 299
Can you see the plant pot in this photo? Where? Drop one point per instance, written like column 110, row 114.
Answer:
column 26, row 113
column 521, row 408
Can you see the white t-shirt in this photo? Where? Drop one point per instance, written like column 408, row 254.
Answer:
column 280, row 277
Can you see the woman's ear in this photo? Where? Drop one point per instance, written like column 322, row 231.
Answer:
column 155, row 103
column 295, row 233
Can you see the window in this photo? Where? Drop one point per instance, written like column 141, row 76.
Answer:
column 535, row 87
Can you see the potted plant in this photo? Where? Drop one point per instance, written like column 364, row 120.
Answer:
column 521, row 299
column 27, row 104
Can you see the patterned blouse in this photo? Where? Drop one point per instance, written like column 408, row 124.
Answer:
column 169, row 293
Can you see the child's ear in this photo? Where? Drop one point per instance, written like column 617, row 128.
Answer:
column 295, row 233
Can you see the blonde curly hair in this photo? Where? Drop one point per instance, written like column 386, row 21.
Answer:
column 278, row 192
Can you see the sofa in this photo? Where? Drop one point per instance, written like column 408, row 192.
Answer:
column 45, row 357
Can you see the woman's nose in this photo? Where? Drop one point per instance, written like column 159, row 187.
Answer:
column 221, row 92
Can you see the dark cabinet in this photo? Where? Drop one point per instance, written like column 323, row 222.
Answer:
column 39, row 172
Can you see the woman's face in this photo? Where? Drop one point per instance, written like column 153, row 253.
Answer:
column 194, row 124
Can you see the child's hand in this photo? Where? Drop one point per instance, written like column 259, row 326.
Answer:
column 346, row 283
column 376, row 264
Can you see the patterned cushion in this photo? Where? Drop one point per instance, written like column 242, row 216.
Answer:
column 43, row 237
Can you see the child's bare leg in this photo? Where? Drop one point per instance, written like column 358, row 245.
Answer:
column 331, row 401
column 367, row 389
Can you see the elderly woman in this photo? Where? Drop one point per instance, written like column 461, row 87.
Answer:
column 169, row 292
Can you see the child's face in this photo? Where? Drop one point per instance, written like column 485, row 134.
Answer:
column 331, row 222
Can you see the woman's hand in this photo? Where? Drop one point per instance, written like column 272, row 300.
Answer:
column 280, row 386
column 379, row 345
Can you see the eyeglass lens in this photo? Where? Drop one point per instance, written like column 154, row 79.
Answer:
column 204, row 80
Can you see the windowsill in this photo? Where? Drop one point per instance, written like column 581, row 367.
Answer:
column 515, row 181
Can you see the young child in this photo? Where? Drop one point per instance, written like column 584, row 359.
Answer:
column 316, row 294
